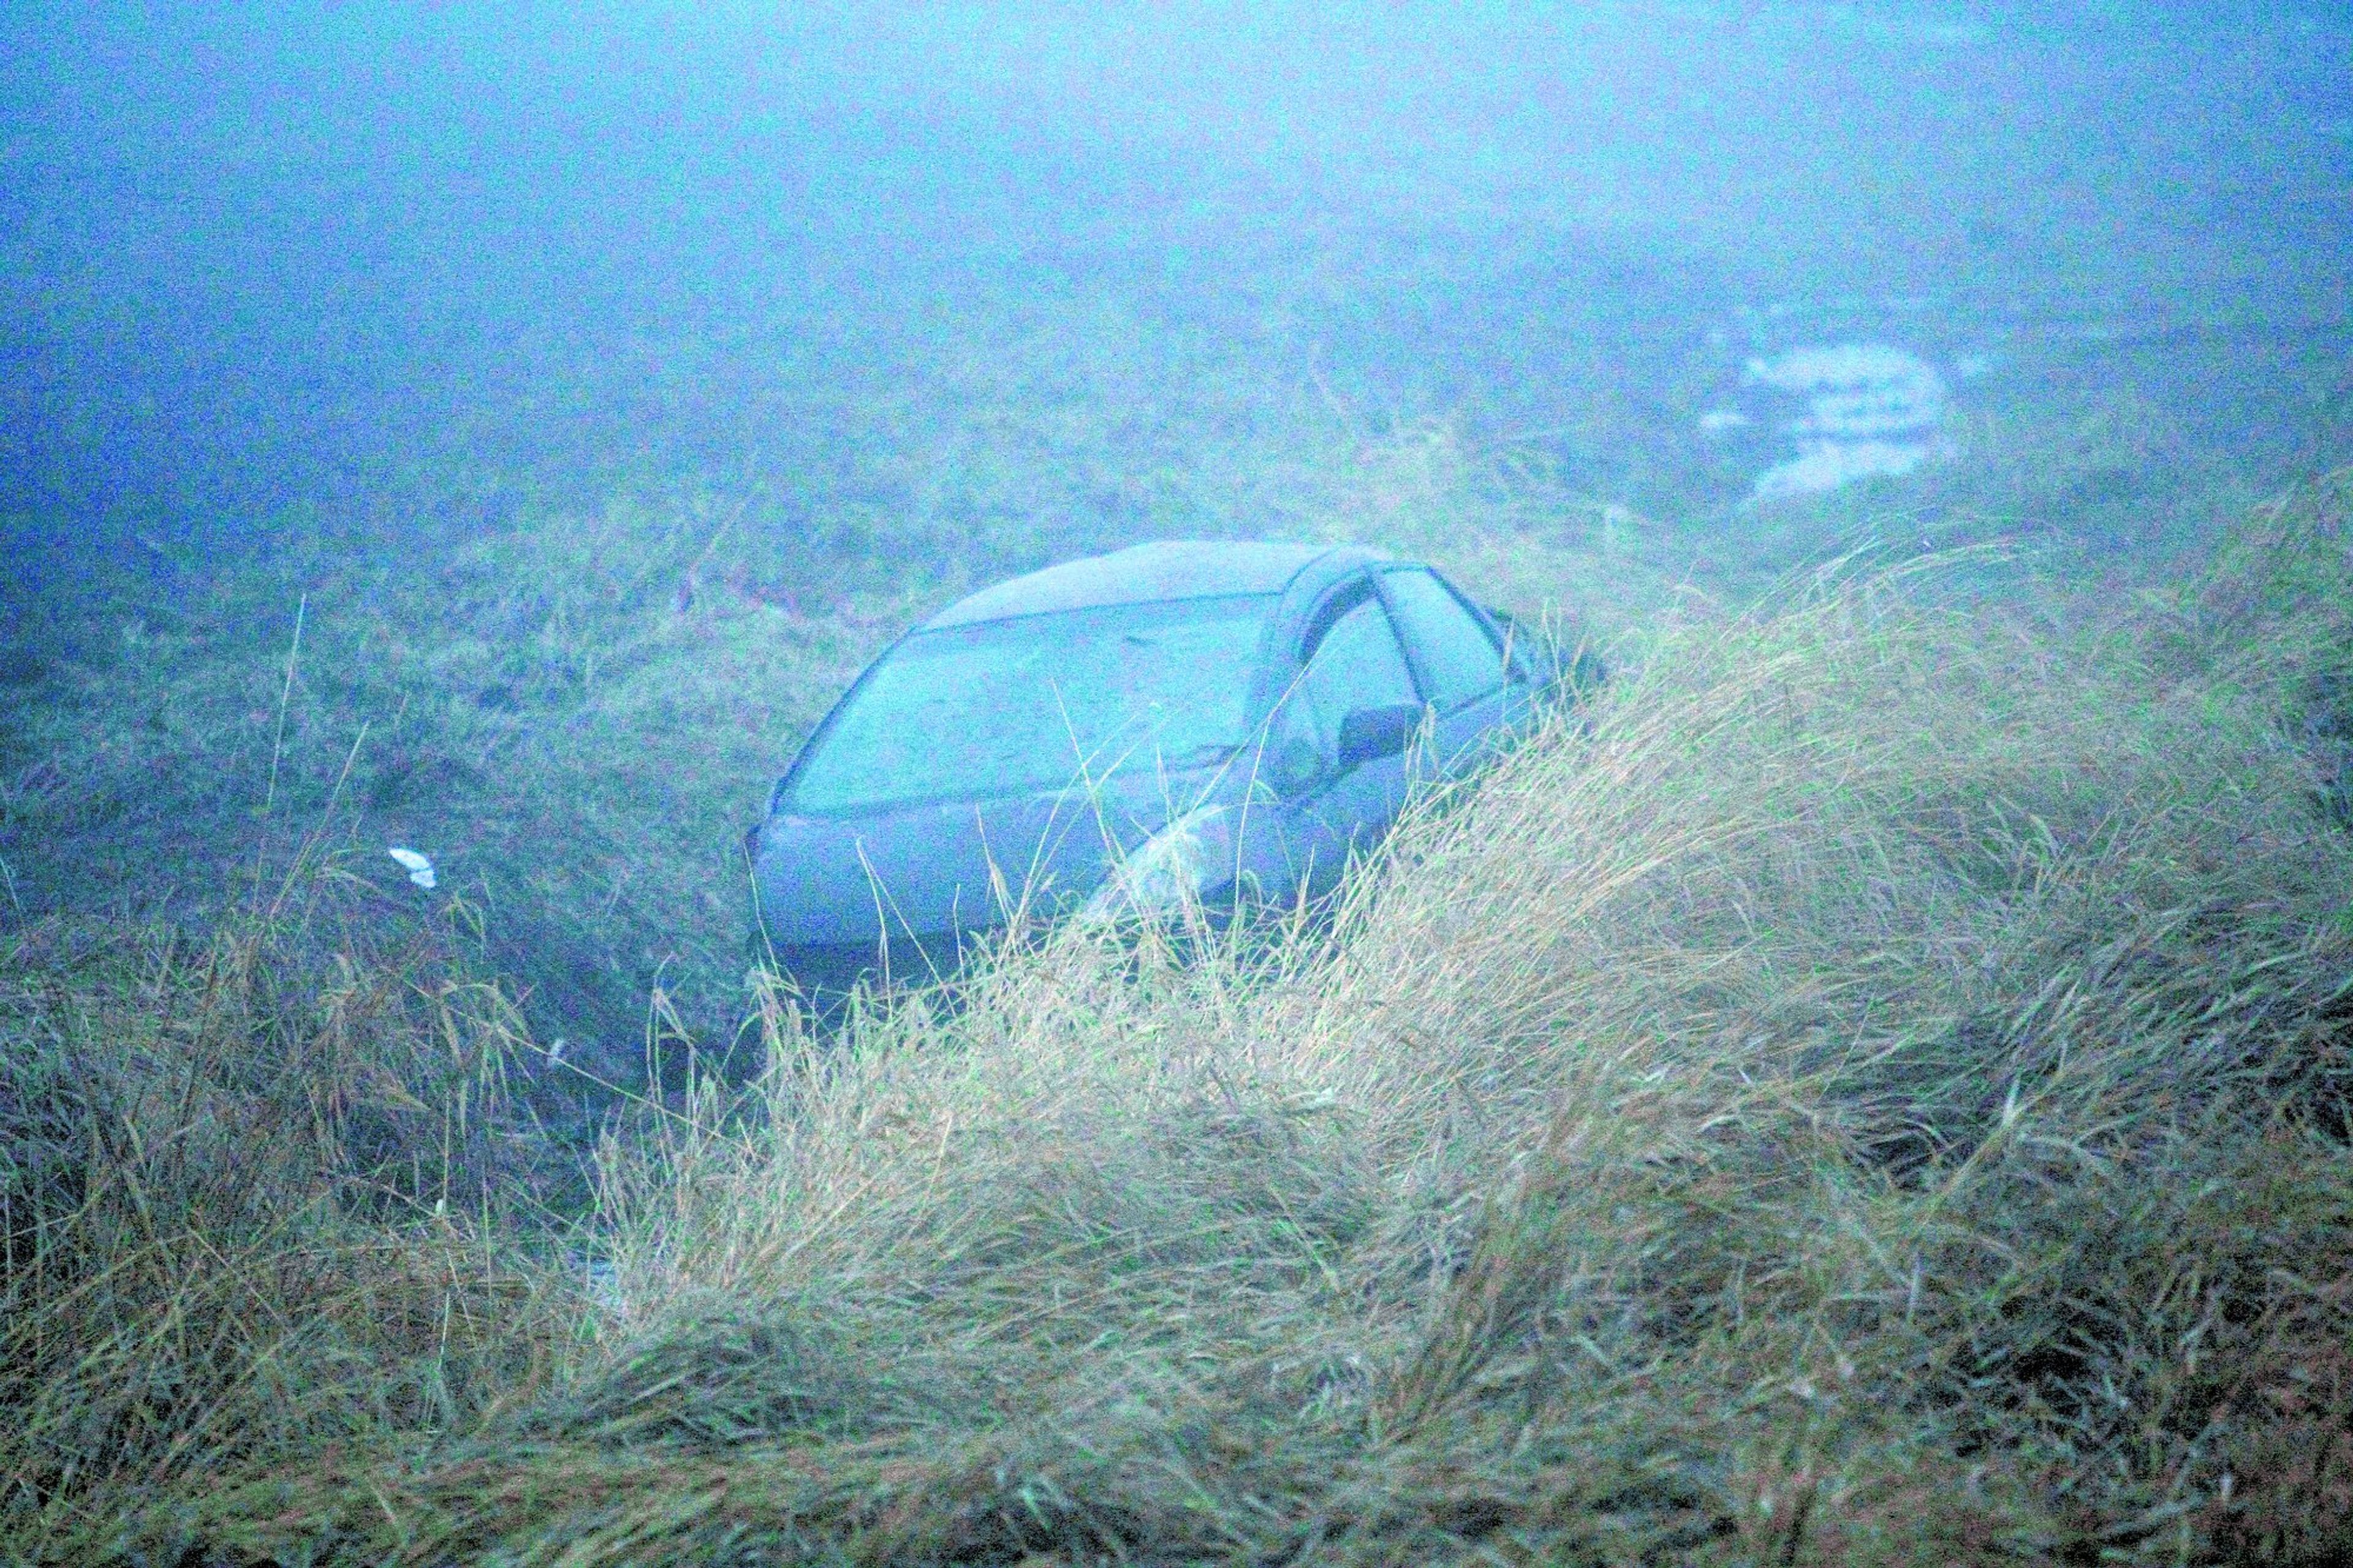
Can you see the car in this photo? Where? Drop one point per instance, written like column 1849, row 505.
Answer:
column 1211, row 725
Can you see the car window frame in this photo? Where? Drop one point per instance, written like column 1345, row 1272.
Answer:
column 1506, row 665
column 1337, row 601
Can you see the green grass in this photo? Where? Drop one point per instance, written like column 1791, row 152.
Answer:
column 1878, row 1092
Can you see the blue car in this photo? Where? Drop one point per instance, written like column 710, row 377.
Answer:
column 1210, row 722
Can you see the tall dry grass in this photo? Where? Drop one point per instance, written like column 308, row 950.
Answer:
column 1874, row 1089
column 257, row 1190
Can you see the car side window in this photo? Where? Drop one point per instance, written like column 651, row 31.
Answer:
column 1356, row 663
column 1457, row 659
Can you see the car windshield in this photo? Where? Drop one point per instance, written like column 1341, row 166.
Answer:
column 1040, row 702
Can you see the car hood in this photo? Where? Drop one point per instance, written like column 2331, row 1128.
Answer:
column 961, row 865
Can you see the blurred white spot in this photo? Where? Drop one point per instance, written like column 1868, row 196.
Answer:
column 419, row 869
column 1969, row 367
column 1716, row 421
column 1826, row 465
column 604, row 1287
column 1872, row 411
column 1858, row 389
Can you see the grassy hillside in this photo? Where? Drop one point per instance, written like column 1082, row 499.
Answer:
column 1877, row 1094
column 575, row 713
column 569, row 671
column 576, row 707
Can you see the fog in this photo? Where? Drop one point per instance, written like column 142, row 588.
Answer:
column 501, row 433
column 259, row 256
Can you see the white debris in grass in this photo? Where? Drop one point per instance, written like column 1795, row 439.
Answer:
column 1872, row 411
column 419, row 869
column 602, row 1277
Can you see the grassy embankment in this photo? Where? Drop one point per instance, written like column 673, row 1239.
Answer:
column 570, row 676
column 1879, row 1093
column 576, row 712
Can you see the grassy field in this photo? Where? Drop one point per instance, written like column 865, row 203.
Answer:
column 574, row 698
column 1880, row 1094
column 1877, row 1093
column 577, row 703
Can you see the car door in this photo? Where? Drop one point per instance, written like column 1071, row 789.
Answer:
column 1458, row 664
column 1350, row 659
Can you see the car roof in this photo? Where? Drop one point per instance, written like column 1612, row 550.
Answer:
column 1148, row 573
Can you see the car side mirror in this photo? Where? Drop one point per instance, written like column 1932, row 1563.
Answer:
column 1370, row 733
